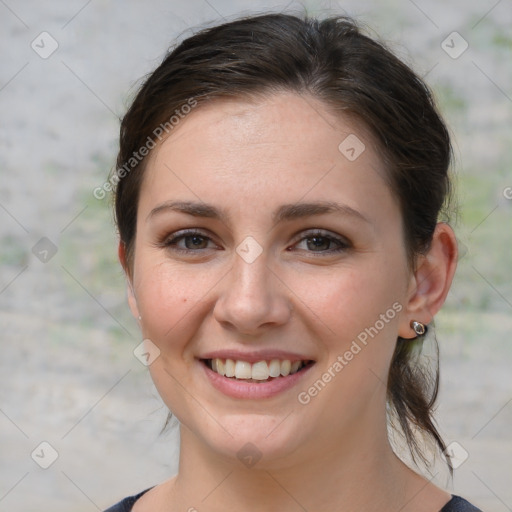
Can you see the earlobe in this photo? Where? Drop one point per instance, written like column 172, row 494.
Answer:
column 431, row 280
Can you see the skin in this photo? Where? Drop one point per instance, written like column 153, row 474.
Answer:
column 248, row 159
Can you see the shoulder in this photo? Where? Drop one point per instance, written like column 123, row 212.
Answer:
column 126, row 505
column 458, row 504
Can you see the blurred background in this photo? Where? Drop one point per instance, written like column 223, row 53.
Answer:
column 68, row 375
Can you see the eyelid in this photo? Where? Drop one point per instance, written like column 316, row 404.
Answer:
column 174, row 238
column 342, row 242
column 321, row 232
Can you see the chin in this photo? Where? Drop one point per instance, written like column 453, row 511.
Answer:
column 254, row 440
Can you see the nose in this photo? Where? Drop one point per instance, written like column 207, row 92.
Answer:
column 253, row 298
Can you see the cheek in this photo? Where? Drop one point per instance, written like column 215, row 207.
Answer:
column 169, row 301
column 356, row 315
column 349, row 300
column 167, row 296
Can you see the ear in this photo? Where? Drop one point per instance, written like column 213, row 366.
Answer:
column 431, row 281
column 132, row 300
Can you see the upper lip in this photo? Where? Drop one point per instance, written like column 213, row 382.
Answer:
column 255, row 356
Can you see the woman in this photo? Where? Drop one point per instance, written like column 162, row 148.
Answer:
column 279, row 187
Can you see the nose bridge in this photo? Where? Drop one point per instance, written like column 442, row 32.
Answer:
column 250, row 268
column 251, row 277
column 252, row 296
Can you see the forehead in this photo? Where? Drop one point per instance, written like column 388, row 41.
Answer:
column 277, row 149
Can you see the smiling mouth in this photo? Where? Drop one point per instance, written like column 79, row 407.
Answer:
column 261, row 371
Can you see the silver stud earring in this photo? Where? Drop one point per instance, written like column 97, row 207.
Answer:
column 419, row 328
column 140, row 318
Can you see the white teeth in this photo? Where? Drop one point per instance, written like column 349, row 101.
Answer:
column 260, row 371
column 243, row 370
column 286, row 366
column 274, row 368
column 230, row 368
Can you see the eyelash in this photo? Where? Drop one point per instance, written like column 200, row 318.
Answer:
column 343, row 244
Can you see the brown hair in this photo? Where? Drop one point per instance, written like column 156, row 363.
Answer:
column 333, row 61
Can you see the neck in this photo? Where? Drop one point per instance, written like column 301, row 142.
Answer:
column 363, row 474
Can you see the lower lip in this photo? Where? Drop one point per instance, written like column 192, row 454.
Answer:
column 252, row 390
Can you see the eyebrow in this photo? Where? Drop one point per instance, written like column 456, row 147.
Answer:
column 286, row 212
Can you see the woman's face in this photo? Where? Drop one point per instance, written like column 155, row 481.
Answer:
column 296, row 256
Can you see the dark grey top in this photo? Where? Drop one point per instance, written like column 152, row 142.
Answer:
column 456, row 504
